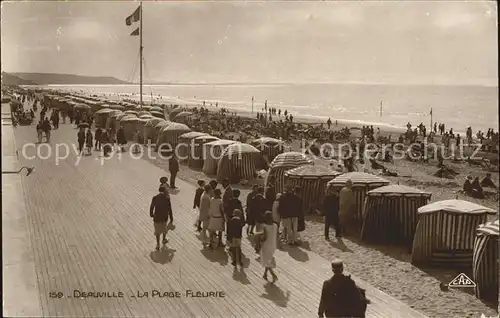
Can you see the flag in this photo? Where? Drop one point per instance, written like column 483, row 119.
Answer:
column 136, row 16
column 430, row 112
column 135, row 32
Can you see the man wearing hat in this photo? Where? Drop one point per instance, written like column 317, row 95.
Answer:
column 340, row 297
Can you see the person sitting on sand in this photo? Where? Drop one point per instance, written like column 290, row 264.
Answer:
column 388, row 173
column 467, row 187
column 477, row 190
column 487, row 182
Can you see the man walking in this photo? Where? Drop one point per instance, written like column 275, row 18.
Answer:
column 173, row 167
column 340, row 297
column 289, row 209
column 161, row 210
column 331, row 210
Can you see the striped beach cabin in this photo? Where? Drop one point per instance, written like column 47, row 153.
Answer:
column 446, row 231
column 362, row 183
column 238, row 163
column 184, row 142
column 157, row 135
column 213, row 152
column 390, row 214
column 312, row 179
column 149, row 129
column 271, row 147
column 282, row 163
column 170, row 134
column 196, row 155
column 485, row 261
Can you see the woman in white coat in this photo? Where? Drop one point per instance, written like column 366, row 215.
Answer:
column 269, row 243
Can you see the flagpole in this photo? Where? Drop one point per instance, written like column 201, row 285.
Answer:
column 140, row 56
column 431, row 120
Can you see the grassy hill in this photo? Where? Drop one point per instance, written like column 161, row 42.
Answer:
column 9, row 79
column 61, row 79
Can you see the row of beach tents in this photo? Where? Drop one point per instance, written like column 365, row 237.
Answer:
column 451, row 233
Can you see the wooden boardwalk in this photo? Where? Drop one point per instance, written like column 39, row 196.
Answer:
column 91, row 231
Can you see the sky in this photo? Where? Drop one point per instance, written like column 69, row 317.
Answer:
column 412, row 42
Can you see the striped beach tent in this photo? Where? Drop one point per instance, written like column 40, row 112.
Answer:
column 184, row 142
column 282, row 163
column 129, row 126
column 196, row 155
column 312, row 179
column 445, row 232
column 140, row 126
column 170, row 134
column 269, row 146
column 361, row 183
column 485, row 261
column 213, row 152
column 238, row 163
column 390, row 214
column 149, row 129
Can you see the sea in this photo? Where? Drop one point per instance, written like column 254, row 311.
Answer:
column 379, row 104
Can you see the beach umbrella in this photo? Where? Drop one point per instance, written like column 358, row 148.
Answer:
column 312, row 179
column 238, row 163
column 446, row 231
column 174, row 113
column 485, row 261
column 81, row 106
column 171, row 133
column 156, row 108
column 132, row 112
column 83, row 125
column 152, row 122
column 101, row 106
column 145, row 107
column 184, row 141
column 104, row 111
column 196, row 155
column 281, row 163
column 155, row 113
column 146, row 116
column 143, row 112
column 390, row 214
column 183, row 114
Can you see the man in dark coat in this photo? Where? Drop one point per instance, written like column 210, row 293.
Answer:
column 161, row 211
column 270, row 193
column 289, row 209
column 340, row 297
column 173, row 167
column 331, row 210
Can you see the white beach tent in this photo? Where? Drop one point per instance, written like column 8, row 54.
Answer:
column 485, row 261
column 445, row 232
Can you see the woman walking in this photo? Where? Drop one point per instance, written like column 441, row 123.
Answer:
column 204, row 215
column 217, row 220
column 268, row 238
column 89, row 141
